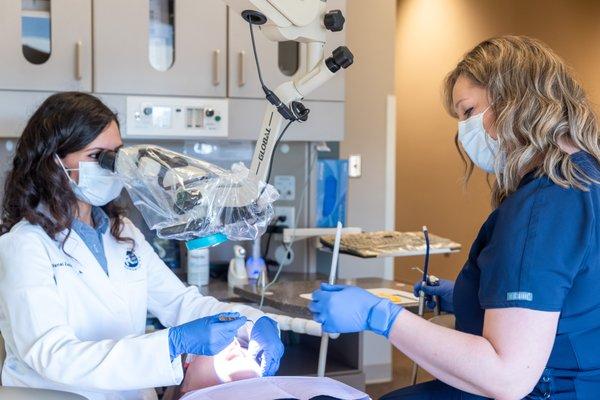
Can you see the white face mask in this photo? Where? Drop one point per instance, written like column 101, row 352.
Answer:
column 97, row 186
column 480, row 147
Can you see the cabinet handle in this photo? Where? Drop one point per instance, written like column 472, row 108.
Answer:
column 241, row 68
column 78, row 60
column 216, row 74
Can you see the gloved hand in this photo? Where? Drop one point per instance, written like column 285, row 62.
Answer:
column 344, row 309
column 204, row 336
column 445, row 291
column 266, row 346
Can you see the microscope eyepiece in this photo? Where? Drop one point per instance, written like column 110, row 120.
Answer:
column 107, row 159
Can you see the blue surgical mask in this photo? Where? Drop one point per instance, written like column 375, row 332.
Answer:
column 97, row 186
column 480, row 147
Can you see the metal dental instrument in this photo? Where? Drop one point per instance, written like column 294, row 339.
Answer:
column 332, row 274
column 224, row 318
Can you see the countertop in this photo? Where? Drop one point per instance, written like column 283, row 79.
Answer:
column 285, row 294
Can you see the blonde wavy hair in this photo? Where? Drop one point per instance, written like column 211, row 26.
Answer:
column 536, row 102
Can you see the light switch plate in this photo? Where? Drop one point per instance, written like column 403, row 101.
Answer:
column 354, row 166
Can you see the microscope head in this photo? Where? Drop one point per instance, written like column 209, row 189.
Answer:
column 184, row 198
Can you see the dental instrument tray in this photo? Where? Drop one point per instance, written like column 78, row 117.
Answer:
column 389, row 244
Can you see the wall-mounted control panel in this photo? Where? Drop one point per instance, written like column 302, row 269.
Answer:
column 176, row 117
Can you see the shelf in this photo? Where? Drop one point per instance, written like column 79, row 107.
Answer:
column 398, row 254
column 384, row 244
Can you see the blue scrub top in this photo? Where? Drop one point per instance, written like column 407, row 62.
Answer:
column 540, row 249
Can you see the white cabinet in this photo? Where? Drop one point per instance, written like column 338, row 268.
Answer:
column 193, row 33
column 46, row 45
column 243, row 78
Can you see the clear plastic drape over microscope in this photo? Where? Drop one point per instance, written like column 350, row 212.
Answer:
column 185, row 198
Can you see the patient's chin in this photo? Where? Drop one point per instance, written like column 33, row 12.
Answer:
column 232, row 364
column 240, row 375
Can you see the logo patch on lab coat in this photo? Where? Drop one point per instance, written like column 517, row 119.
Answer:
column 131, row 260
column 524, row 296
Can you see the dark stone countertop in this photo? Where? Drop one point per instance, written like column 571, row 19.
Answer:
column 285, row 294
column 217, row 288
column 285, row 297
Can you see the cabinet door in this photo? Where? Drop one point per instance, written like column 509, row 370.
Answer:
column 125, row 37
column 243, row 78
column 46, row 45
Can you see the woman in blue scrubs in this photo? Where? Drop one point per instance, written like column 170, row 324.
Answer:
column 526, row 303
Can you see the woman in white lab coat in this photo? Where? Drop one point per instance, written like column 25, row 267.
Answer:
column 77, row 278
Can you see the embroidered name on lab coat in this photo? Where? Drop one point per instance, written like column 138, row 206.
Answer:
column 131, row 260
column 526, row 296
column 62, row 264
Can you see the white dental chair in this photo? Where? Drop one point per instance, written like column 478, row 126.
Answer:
column 21, row 393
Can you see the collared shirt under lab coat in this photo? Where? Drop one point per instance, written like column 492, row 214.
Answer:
column 69, row 326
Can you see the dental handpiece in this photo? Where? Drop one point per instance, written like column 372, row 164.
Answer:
column 424, row 280
column 225, row 318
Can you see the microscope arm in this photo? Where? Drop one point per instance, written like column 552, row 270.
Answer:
column 184, row 198
column 306, row 22
column 273, row 120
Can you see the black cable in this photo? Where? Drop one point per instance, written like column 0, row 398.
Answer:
column 271, row 97
column 267, row 91
column 275, row 148
column 268, row 245
column 270, row 231
column 267, row 249
column 262, row 83
column 272, row 157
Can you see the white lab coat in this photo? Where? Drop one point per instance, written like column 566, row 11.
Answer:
column 69, row 326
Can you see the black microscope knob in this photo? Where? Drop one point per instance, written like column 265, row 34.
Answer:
column 334, row 20
column 342, row 58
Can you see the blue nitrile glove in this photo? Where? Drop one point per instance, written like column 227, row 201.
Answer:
column 204, row 336
column 345, row 309
column 266, row 346
column 445, row 291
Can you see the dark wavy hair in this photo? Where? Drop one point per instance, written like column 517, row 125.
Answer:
column 64, row 123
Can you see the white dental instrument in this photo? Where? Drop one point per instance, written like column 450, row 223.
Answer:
column 332, row 275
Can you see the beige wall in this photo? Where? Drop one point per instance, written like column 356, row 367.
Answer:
column 430, row 38
column 370, row 35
